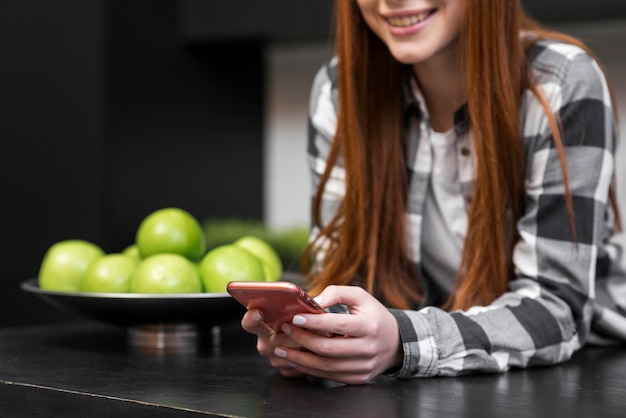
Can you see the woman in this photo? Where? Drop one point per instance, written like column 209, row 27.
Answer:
column 462, row 160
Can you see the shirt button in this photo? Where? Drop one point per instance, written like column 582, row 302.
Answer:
column 465, row 151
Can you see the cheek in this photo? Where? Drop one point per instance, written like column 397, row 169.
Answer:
column 375, row 24
column 365, row 4
column 456, row 11
column 369, row 14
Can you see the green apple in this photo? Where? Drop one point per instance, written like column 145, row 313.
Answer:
column 165, row 273
column 264, row 252
column 65, row 263
column 109, row 274
column 227, row 263
column 132, row 251
column 171, row 230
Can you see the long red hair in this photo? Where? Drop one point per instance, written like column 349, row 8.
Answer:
column 367, row 237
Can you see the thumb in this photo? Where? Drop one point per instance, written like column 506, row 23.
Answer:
column 350, row 296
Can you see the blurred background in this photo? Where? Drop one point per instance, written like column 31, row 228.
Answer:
column 112, row 109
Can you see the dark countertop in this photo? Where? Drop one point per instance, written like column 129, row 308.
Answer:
column 88, row 369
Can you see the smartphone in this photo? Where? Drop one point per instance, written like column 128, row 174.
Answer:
column 280, row 301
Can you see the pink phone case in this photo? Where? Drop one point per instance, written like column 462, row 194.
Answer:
column 280, row 301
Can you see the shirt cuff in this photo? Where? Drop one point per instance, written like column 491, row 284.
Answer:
column 418, row 344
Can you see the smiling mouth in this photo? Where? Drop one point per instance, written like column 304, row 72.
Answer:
column 409, row 20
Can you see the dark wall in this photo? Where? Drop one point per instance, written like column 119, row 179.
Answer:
column 568, row 10
column 106, row 115
column 185, row 121
column 52, row 136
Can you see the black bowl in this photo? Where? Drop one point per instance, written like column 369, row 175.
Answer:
column 136, row 309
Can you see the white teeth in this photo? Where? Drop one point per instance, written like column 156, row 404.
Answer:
column 405, row 21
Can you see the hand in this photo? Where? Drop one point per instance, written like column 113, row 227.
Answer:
column 366, row 342
column 268, row 340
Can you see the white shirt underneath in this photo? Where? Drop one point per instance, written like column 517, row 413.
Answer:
column 445, row 215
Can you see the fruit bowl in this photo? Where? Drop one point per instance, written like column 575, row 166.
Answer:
column 143, row 311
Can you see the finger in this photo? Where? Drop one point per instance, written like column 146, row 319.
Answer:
column 286, row 367
column 337, row 346
column 266, row 344
column 252, row 322
column 350, row 378
column 327, row 297
column 330, row 324
column 353, row 371
column 290, row 372
column 351, row 296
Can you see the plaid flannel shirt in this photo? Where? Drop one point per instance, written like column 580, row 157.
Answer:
column 564, row 294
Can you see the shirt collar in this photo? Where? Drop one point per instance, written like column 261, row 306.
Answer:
column 415, row 105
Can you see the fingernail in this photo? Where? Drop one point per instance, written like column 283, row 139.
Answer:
column 257, row 316
column 298, row 320
column 292, row 364
column 279, row 352
column 318, row 299
column 286, row 329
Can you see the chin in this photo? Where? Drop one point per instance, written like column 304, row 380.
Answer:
column 409, row 54
column 408, row 59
